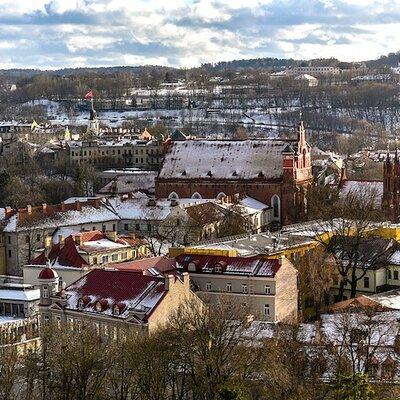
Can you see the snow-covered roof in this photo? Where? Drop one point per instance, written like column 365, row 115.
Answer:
column 253, row 206
column 9, row 294
column 130, row 183
column 129, row 291
column 363, row 188
column 254, row 266
column 88, row 214
column 139, row 208
column 306, row 77
column 217, row 159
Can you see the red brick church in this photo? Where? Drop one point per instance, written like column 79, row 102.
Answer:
column 391, row 187
column 276, row 172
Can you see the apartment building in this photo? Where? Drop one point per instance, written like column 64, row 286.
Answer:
column 114, row 302
column 74, row 256
column 117, row 153
column 24, row 230
column 266, row 287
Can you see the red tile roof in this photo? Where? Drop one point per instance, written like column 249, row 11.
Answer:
column 162, row 264
column 256, row 266
column 125, row 289
column 66, row 255
column 48, row 273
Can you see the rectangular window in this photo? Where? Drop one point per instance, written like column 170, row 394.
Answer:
column 45, row 292
column 208, row 286
column 266, row 309
column 229, row 287
column 124, row 256
column 114, row 257
column 395, row 274
column 9, row 254
column 244, row 288
column 126, row 227
column 9, row 240
column 114, row 228
column 267, row 289
column 105, row 259
column 389, row 274
column 137, row 227
column 366, row 281
column 38, row 237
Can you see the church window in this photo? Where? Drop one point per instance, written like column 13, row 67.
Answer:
column 276, row 206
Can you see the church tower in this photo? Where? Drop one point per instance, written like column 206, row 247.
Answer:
column 297, row 176
column 93, row 125
column 391, row 187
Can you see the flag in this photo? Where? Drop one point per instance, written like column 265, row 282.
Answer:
column 89, row 95
column 34, row 125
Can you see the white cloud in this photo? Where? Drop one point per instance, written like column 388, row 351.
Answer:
column 189, row 32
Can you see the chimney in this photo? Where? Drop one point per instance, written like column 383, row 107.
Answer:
column 186, row 280
column 61, row 241
column 151, row 202
column 78, row 206
column 112, row 235
column 169, row 280
column 62, row 206
column 96, row 203
column 44, row 208
column 48, row 242
column 29, row 209
column 8, row 211
column 78, row 239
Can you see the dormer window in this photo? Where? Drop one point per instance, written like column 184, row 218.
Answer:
column 234, row 173
column 118, row 308
column 183, row 173
column 260, row 174
column 209, row 173
column 218, row 269
column 101, row 305
column 81, row 304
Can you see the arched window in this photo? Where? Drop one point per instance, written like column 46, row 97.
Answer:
column 196, row 195
column 276, row 207
column 221, row 195
column 173, row 195
column 304, row 157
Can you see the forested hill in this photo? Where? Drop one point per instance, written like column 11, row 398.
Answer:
column 275, row 64
column 255, row 63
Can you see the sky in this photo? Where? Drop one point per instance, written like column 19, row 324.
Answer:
column 52, row 34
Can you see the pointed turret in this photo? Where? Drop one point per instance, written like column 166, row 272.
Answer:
column 301, row 132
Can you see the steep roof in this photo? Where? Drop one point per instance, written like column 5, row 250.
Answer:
column 128, row 290
column 254, row 266
column 363, row 188
column 70, row 253
column 54, row 216
column 217, row 159
column 142, row 181
column 66, row 255
column 152, row 265
column 205, row 213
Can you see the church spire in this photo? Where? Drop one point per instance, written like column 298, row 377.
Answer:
column 301, row 132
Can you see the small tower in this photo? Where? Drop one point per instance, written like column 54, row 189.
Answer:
column 48, row 281
column 93, row 125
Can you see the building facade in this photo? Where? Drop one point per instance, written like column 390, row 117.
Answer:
column 114, row 302
column 275, row 172
column 266, row 287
